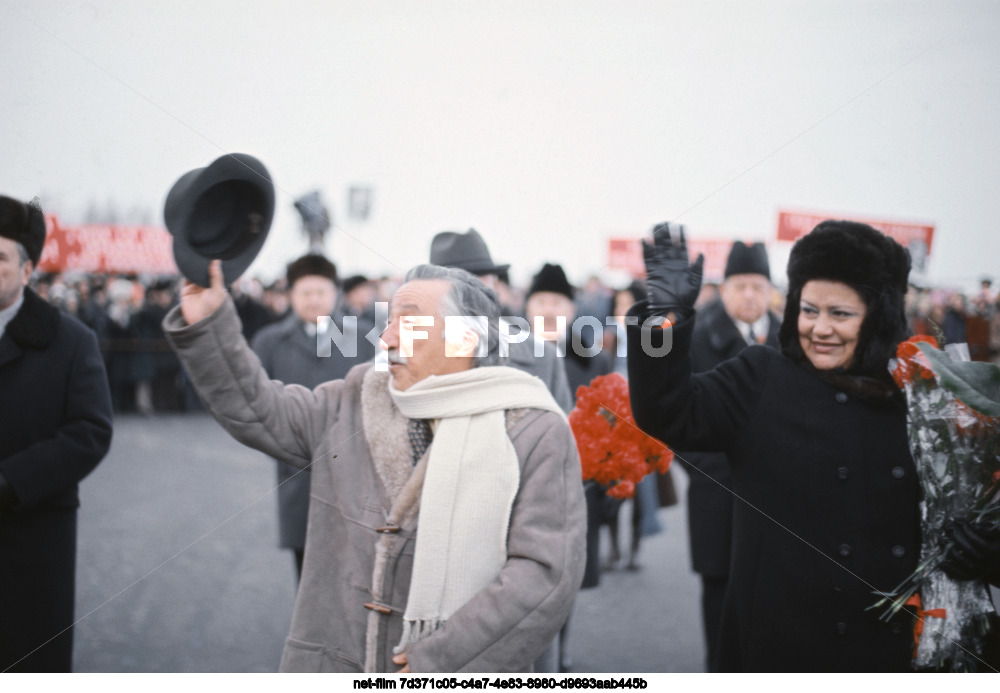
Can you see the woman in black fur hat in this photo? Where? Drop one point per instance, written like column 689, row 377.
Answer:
column 827, row 516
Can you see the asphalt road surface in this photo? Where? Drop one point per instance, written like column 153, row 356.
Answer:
column 178, row 568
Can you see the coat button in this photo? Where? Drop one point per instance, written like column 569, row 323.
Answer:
column 841, row 397
column 845, row 550
column 898, row 551
column 380, row 608
column 840, row 628
column 842, row 473
column 898, row 472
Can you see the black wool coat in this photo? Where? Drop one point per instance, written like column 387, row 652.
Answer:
column 827, row 512
column 55, row 426
column 709, row 502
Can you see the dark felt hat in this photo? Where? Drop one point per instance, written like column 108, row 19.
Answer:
column 23, row 223
column 747, row 259
column 551, row 278
column 222, row 211
column 466, row 251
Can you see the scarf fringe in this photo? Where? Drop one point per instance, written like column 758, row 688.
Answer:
column 414, row 631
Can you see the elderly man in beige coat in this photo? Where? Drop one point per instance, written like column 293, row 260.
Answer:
column 446, row 523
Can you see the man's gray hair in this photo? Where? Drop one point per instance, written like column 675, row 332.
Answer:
column 468, row 296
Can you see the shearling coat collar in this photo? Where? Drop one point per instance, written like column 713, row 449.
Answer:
column 36, row 323
column 388, row 441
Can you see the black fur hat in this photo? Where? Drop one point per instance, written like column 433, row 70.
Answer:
column 23, row 223
column 747, row 259
column 872, row 264
column 551, row 278
column 310, row 265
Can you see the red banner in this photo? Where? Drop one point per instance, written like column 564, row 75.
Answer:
column 626, row 254
column 794, row 225
column 107, row 249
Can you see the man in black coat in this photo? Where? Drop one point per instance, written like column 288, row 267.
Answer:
column 55, row 426
column 289, row 352
column 723, row 328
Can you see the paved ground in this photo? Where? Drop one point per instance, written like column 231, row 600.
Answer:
column 179, row 570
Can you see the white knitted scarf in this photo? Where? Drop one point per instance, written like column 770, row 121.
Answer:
column 472, row 478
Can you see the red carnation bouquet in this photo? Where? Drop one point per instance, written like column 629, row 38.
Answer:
column 613, row 451
column 953, row 422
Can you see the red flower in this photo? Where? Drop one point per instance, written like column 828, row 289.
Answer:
column 613, row 451
column 910, row 361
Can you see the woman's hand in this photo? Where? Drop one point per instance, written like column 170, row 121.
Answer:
column 197, row 302
column 673, row 282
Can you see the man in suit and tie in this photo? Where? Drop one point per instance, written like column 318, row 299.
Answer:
column 723, row 328
column 289, row 352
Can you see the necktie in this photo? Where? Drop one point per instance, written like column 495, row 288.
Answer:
column 751, row 337
column 420, row 437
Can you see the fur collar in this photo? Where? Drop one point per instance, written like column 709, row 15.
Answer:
column 863, row 387
column 387, row 439
column 36, row 323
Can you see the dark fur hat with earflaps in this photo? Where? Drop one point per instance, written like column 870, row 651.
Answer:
column 23, row 223
column 310, row 265
column 869, row 262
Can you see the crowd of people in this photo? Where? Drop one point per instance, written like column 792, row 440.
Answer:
column 125, row 312
column 477, row 570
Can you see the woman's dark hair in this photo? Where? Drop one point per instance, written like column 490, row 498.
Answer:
column 871, row 263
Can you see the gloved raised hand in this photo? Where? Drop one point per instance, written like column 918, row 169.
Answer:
column 673, row 283
column 975, row 550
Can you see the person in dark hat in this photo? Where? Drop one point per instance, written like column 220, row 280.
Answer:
column 468, row 251
column 358, row 299
column 155, row 368
column 288, row 351
column 55, row 427
column 827, row 512
column 723, row 328
column 551, row 312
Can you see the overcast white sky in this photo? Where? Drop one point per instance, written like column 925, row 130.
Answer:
column 548, row 126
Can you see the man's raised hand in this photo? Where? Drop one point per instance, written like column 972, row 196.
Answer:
column 197, row 302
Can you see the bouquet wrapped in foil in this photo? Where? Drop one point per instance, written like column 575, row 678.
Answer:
column 953, row 420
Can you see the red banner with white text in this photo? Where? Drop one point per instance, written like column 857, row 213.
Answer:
column 107, row 249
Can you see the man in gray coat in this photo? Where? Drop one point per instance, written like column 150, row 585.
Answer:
column 446, row 523
column 290, row 352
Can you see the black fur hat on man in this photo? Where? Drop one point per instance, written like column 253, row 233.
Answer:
column 551, row 278
column 747, row 259
column 308, row 266
column 872, row 264
column 25, row 224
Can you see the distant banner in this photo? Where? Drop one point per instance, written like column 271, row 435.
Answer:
column 107, row 249
column 794, row 225
column 626, row 254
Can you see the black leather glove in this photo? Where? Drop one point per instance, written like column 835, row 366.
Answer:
column 974, row 553
column 673, row 283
